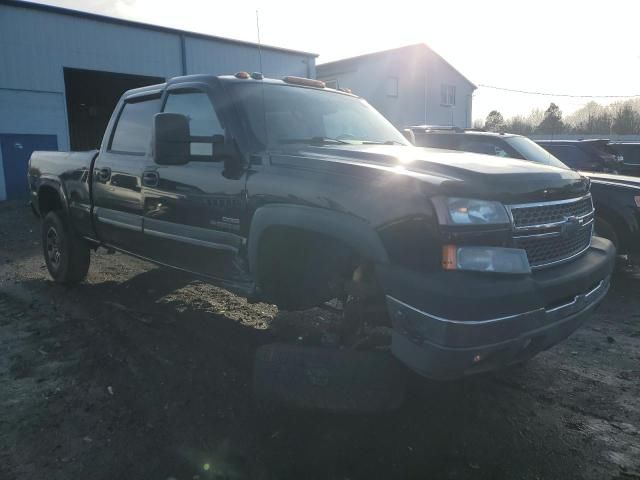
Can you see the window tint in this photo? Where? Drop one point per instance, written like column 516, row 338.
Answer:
column 133, row 130
column 570, row 155
column 436, row 140
column 485, row 146
column 203, row 121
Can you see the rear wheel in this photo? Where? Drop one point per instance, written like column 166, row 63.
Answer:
column 66, row 254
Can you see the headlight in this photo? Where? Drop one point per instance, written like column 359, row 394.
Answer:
column 466, row 211
column 485, row 259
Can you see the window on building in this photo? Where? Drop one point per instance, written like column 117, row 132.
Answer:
column 392, row 86
column 203, row 121
column 132, row 132
column 448, row 95
column 333, row 83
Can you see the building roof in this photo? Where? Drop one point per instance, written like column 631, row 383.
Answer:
column 345, row 62
column 147, row 26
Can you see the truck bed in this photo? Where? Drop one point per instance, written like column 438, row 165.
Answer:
column 67, row 173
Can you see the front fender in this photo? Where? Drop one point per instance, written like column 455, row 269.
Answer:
column 352, row 231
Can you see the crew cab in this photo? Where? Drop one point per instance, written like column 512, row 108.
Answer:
column 297, row 194
column 616, row 197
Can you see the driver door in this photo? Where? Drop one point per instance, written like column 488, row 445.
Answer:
column 193, row 213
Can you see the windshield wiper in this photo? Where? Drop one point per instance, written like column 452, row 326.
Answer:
column 387, row 142
column 315, row 141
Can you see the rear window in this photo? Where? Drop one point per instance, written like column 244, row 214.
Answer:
column 132, row 133
column 436, row 140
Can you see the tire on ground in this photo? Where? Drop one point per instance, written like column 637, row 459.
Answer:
column 66, row 254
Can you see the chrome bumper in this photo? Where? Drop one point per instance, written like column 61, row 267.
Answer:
column 443, row 348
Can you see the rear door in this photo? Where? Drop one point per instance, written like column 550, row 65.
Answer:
column 193, row 212
column 117, row 179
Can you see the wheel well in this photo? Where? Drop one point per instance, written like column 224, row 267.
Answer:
column 298, row 268
column 48, row 200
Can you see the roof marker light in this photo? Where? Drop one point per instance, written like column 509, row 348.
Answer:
column 307, row 82
column 242, row 75
column 257, row 76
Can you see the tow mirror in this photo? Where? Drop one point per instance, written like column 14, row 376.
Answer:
column 409, row 135
column 171, row 139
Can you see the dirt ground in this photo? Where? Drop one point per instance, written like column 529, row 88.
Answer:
column 140, row 373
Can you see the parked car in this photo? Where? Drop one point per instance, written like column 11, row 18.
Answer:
column 630, row 152
column 585, row 155
column 616, row 198
column 296, row 194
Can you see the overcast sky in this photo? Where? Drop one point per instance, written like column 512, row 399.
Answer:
column 573, row 47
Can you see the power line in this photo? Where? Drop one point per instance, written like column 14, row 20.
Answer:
column 547, row 94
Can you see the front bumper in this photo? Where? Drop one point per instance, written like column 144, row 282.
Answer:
column 455, row 325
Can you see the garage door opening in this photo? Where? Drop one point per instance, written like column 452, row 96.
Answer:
column 91, row 98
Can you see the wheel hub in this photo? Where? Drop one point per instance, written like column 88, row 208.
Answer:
column 53, row 248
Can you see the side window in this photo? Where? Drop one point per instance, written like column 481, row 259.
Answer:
column 572, row 156
column 203, row 121
column 132, row 132
column 392, row 87
column 447, row 95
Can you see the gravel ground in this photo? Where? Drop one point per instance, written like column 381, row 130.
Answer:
column 141, row 373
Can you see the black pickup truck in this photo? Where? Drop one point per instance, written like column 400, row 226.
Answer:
column 293, row 193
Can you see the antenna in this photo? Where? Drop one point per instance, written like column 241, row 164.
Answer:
column 259, row 42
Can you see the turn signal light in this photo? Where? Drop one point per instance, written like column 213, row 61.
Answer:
column 449, row 257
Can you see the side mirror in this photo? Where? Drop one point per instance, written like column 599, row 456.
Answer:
column 171, row 139
column 409, row 135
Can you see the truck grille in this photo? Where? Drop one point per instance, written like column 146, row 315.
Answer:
column 553, row 232
column 543, row 214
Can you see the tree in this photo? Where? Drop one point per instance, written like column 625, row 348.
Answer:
column 478, row 124
column 494, row 122
column 552, row 121
column 626, row 121
column 519, row 125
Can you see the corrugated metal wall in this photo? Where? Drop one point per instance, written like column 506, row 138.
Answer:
column 419, row 72
column 36, row 45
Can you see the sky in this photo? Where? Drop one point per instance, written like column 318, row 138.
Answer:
column 561, row 47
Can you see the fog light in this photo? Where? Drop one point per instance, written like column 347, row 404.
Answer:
column 485, row 259
column 477, row 358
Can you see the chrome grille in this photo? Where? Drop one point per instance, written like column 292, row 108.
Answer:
column 553, row 232
column 541, row 214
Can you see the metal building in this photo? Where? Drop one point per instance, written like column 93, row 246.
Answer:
column 410, row 85
column 62, row 72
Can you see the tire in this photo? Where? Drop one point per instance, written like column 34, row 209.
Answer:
column 605, row 229
column 66, row 255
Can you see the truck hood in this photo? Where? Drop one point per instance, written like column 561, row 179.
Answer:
column 450, row 172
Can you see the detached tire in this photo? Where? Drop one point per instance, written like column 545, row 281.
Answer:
column 66, row 255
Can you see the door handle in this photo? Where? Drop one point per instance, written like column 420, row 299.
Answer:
column 150, row 179
column 103, row 174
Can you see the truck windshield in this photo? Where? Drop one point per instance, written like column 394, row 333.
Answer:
column 282, row 114
column 530, row 150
